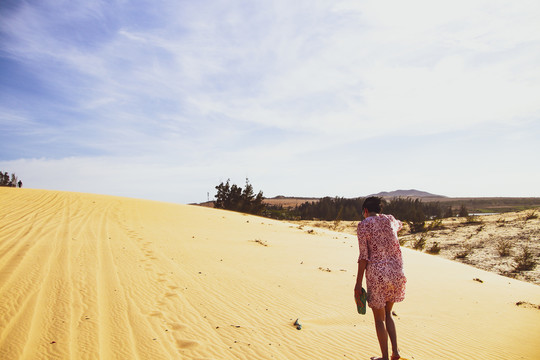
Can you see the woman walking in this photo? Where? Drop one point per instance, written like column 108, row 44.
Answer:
column 380, row 259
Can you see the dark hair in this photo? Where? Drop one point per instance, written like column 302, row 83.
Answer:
column 372, row 204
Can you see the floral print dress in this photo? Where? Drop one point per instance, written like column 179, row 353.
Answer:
column 379, row 245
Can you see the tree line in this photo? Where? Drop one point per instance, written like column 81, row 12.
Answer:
column 233, row 197
column 406, row 209
column 11, row 181
column 413, row 211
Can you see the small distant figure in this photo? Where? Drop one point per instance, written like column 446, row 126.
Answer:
column 20, row 183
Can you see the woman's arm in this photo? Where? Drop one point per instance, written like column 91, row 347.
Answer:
column 362, row 256
column 360, row 276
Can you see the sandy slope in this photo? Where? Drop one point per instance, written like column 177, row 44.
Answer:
column 96, row 277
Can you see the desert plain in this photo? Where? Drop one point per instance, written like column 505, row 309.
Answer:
column 87, row 276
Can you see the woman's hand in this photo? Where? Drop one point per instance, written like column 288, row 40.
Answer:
column 358, row 286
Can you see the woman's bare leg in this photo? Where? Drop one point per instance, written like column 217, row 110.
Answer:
column 391, row 329
column 382, row 335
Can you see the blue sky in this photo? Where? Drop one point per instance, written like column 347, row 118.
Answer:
column 165, row 99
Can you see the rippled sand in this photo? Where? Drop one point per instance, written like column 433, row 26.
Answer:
column 98, row 277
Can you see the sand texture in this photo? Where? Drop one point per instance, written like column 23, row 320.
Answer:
column 98, row 277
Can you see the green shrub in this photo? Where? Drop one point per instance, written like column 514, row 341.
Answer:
column 531, row 215
column 463, row 254
column 473, row 219
column 434, row 249
column 503, row 247
column 417, row 226
column 435, row 225
column 337, row 221
column 525, row 260
column 419, row 243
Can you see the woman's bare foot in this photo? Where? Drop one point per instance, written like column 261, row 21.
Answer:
column 393, row 357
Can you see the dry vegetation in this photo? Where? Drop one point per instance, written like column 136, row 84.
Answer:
column 507, row 244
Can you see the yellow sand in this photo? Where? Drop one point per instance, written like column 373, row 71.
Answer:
column 98, row 277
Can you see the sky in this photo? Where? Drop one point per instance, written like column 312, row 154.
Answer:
column 165, row 99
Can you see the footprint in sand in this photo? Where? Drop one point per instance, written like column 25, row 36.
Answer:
column 156, row 313
column 177, row 326
column 186, row 344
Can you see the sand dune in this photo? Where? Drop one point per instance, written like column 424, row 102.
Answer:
column 98, row 277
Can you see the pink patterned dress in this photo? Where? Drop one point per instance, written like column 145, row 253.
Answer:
column 379, row 245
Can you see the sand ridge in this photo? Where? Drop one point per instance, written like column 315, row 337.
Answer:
column 98, row 277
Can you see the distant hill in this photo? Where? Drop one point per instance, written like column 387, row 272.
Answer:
column 407, row 193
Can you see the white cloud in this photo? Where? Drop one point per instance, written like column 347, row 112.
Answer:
column 232, row 82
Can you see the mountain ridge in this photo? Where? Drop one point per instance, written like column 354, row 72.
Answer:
column 407, row 193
